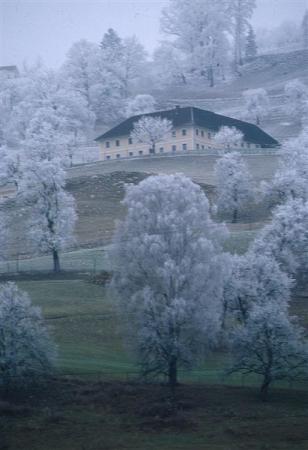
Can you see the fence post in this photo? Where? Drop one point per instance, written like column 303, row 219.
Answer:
column 94, row 265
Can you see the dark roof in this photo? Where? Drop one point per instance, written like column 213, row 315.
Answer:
column 195, row 116
column 9, row 69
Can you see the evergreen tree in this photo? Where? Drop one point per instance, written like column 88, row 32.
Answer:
column 305, row 29
column 241, row 12
column 112, row 45
column 251, row 44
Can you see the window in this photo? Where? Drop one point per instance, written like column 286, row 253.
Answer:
column 184, row 133
column 173, row 133
column 131, row 154
column 118, row 155
column 107, row 145
column 197, row 146
column 197, row 132
column 209, row 135
column 248, row 144
column 130, row 140
column 258, row 145
column 184, row 146
column 108, row 157
column 140, row 152
column 202, row 133
column 174, row 148
column 161, row 149
column 117, row 143
column 202, row 147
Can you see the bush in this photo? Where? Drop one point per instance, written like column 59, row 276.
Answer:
column 101, row 278
column 27, row 353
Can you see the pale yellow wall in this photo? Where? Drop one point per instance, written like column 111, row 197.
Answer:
column 125, row 148
column 193, row 141
column 207, row 141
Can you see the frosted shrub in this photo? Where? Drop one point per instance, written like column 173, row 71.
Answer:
column 27, row 353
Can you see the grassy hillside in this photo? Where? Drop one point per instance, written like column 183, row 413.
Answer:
column 99, row 189
column 198, row 167
column 271, row 72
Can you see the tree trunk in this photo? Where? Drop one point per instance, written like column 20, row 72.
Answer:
column 264, row 388
column 56, row 261
column 183, row 79
column 235, row 216
column 173, row 373
column 211, row 76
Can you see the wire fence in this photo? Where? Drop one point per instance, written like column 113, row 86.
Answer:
column 217, row 377
column 87, row 260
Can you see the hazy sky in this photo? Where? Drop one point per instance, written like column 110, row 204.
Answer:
column 47, row 28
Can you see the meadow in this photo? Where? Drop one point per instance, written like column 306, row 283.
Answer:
column 96, row 400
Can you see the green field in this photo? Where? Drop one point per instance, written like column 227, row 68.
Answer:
column 84, row 321
column 96, row 403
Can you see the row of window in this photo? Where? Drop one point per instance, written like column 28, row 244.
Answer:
column 184, row 133
column 202, row 133
column 174, row 149
column 140, row 152
column 130, row 140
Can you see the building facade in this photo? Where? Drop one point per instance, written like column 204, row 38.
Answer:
column 193, row 129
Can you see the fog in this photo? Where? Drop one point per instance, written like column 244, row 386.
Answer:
column 47, row 28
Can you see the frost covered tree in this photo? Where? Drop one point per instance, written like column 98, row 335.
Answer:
column 228, row 137
column 76, row 120
column 241, row 11
column 305, row 30
column 291, row 179
column 27, row 352
column 286, row 237
column 40, row 90
column 86, row 71
column 297, row 98
column 254, row 279
column 256, row 104
column 151, row 130
column 251, row 48
column 170, row 65
column 11, row 166
column 271, row 345
column 123, row 59
column 53, row 216
column 234, row 183
column 168, row 273
column 141, row 104
column 285, row 37
column 17, row 104
column 77, row 69
column 200, row 31
column 134, row 60
column 112, row 45
column 44, row 137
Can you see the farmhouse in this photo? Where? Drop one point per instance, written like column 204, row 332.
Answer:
column 193, row 130
column 9, row 71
